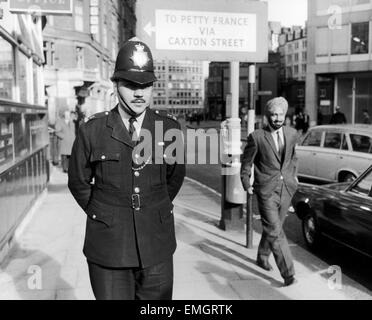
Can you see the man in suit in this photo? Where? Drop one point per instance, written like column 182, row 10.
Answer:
column 272, row 152
column 65, row 131
column 130, row 236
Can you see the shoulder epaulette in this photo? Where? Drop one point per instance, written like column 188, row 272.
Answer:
column 98, row 115
column 164, row 113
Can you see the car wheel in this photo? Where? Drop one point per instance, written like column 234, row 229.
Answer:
column 311, row 231
column 349, row 177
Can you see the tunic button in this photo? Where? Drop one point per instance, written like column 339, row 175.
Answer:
column 94, row 216
column 136, row 173
column 281, row 178
column 136, row 190
column 103, row 157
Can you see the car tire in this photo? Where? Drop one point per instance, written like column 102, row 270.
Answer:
column 311, row 232
column 348, row 177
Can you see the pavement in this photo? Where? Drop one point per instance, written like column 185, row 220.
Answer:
column 46, row 260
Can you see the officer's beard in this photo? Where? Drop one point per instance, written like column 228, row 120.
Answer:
column 126, row 107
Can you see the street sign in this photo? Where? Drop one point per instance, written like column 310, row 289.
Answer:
column 211, row 30
column 41, row 6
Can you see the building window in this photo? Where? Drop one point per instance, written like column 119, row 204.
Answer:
column 7, row 78
column 304, row 55
column 303, row 68
column 296, row 57
column 295, row 71
column 359, row 37
column 79, row 16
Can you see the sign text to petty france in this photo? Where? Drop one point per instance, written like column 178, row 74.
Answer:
column 42, row 6
column 193, row 30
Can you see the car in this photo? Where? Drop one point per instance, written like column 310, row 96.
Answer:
column 339, row 211
column 335, row 153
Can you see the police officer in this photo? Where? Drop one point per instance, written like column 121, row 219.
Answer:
column 127, row 193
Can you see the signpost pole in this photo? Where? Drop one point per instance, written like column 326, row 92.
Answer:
column 233, row 195
column 250, row 129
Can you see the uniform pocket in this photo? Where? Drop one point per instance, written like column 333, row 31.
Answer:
column 107, row 167
column 100, row 215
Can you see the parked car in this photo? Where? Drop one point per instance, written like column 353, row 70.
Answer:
column 335, row 153
column 340, row 211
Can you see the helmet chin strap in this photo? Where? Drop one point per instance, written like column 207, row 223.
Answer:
column 126, row 107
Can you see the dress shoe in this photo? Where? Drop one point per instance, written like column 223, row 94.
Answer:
column 290, row 281
column 264, row 265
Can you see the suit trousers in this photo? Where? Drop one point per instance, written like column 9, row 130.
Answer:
column 152, row 283
column 273, row 210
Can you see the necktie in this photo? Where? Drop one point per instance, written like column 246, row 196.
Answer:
column 132, row 129
column 281, row 146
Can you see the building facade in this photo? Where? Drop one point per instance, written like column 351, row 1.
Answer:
column 80, row 52
column 180, row 86
column 339, row 58
column 23, row 120
column 293, row 66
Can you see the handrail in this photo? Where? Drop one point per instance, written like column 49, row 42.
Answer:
column 9, row 103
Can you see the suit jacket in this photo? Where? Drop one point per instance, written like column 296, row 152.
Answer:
column 269, row 170
column 130, row 213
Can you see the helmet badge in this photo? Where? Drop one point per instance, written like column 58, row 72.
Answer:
column 140, row 57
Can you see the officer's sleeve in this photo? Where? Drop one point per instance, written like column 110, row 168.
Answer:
column 176, row 172
column 249, row 154
column 80, row 172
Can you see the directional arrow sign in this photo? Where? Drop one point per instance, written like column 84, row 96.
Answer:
column 220, row 30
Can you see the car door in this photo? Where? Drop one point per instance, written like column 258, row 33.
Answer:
column 328, row 156
column 359, row 214
column 307, row 153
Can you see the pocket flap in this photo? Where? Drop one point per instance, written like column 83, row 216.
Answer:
column 99, row 214
column 165, row 212
column 104, row 156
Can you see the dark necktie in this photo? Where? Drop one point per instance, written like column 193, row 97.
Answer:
column 281, row 146
column 132, row 129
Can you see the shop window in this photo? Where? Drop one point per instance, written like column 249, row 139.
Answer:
column 35, row 72
column 6, row 139
column 23, row 77
column 7, row 77
column 359, row 38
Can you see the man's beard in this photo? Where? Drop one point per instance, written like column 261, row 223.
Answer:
column 276, row 126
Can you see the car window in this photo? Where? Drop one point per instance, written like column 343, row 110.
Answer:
column 361, row 143
column 313, row 139
column 332, row 140
column 364, row 186
column 344, row 143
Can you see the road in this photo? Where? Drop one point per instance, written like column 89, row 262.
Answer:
column 354, row 265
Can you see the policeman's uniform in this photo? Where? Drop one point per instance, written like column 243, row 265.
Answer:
column 130, row 224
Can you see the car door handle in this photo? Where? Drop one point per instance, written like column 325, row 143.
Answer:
column 365, row 208
column 314, row 153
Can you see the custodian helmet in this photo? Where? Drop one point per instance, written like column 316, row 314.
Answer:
column 134, row 63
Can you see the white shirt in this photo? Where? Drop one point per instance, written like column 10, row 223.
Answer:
column 274, row 134
column 137, row 124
